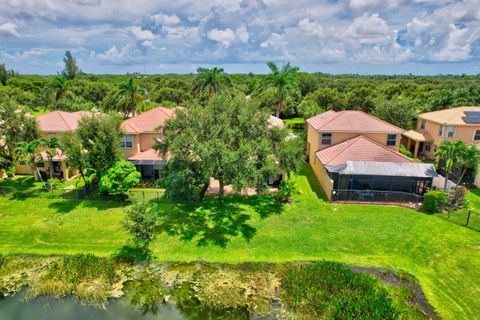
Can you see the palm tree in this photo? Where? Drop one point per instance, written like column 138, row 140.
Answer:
column 127, row 97
column 208, row 80
column 51, row 145
column 470, row 160
column 452, row 153
column 59, row 87
column 283, row 80
column 29, row 152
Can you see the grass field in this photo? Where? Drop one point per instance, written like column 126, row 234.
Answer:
column 443, row 256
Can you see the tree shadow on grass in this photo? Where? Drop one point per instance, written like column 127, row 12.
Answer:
column 65, row 206
column 214, row 222
column 131, row 253
column 307, row 171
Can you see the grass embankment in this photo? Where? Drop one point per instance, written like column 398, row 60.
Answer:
column 443, row 256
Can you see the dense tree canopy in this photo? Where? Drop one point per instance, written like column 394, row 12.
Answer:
column 230, row 140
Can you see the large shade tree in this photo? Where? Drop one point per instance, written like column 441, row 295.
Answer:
column 229, row 140
column 71, row 69
column 470, row 159
column 16, row 125
column 209, row 81
column 283, row 80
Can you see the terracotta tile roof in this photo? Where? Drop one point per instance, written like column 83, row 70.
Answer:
column 275, row 121
column 359, row 149
column 149, row 154
column 60, row 121
column 351, row 121
column 418, row 136
column 58, row 156
column 452, row 116
column 148, row 121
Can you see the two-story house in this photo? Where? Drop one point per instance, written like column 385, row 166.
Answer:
column 54, row 124
column 354, row 153
column 141, row 132
column 462, row 123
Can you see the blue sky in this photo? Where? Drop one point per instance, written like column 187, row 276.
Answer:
column 344, row 36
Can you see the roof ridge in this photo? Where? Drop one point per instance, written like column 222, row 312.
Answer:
column 386, row 148
column 378, row 119
column 60, row 114
column 350, row 143
column 334, row 116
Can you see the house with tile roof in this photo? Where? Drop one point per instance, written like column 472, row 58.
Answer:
column 355, row 157
column 435, row 127
column 141, row 132
column 54, row 124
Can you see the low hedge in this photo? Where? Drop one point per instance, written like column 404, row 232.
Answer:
column 434, row 201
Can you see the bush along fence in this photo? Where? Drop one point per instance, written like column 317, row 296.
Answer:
column 49, row 193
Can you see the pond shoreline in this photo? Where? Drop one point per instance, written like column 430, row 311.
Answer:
column 253, row 287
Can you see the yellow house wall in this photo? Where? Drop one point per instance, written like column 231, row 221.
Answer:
column 141, row 142
column 322, row 177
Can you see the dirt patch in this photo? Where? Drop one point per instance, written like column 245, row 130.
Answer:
column 393, row 279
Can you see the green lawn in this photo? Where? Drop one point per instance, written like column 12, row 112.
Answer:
column 28, row 181
column 444, row 257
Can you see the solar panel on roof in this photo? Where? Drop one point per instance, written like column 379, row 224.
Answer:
column 472, row 117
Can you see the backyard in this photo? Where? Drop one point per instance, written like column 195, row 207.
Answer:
column 443, row 256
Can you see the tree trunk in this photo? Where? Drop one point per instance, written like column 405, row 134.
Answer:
column 221, row 188
column 446, row 180
column 204, row 190
column 83, row 176
column 51, row 166
column 277, row 109
column 461, row 176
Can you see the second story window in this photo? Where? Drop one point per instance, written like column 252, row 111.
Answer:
column 440, row 131
column 326, row 138
column 391, row 139
column 126, row 142
column 450, row 132
column 476, row 136
column 423, row 124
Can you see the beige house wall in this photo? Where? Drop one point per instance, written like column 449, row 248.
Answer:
column 322, row 177
column 141, row 142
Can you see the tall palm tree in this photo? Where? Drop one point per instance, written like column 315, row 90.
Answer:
column 452, row 153
column 29, row 152
column 283, row 80
column 51, row 145
column 59, row 87
column 209, row 80
column 127, row 97
column 470, row 160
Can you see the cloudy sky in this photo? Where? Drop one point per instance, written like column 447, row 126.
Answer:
column 344, row 36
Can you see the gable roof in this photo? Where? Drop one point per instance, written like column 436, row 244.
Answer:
column 351, row 121
column 359, row 148
column 60, row 121
column 452, row 116
column 148, row 121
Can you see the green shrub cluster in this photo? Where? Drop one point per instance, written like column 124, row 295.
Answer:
column 82, row 268
column 328, row 290
column 434, row 201
column 405, row 151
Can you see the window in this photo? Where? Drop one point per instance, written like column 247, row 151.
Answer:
column 126, row 142
column 476, row 136
column 428, row 147
column 450, row 132
column 423, row 124
column 326, row 138
column 391, row 139
column 434, row 148
column 440, row 131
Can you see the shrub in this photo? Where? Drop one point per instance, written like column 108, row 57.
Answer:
column 53, row 183
column 120, row 177
column 287, row 188
column 10, row 171
column 434, row 201
column 329, row 290
column 404, row 151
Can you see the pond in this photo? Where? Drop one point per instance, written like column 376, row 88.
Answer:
column 18, row 307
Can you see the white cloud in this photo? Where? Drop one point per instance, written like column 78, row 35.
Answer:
column 141, row 34
column 27, row 55
column 275, row 41
column 166, row 20
column 87, row 2
column 127, row 54
column 242, row 34
column 9, row 29
column 311, row 28
column 457, row 46
column 363, row 5
column 226, row 37
column 370, row 29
